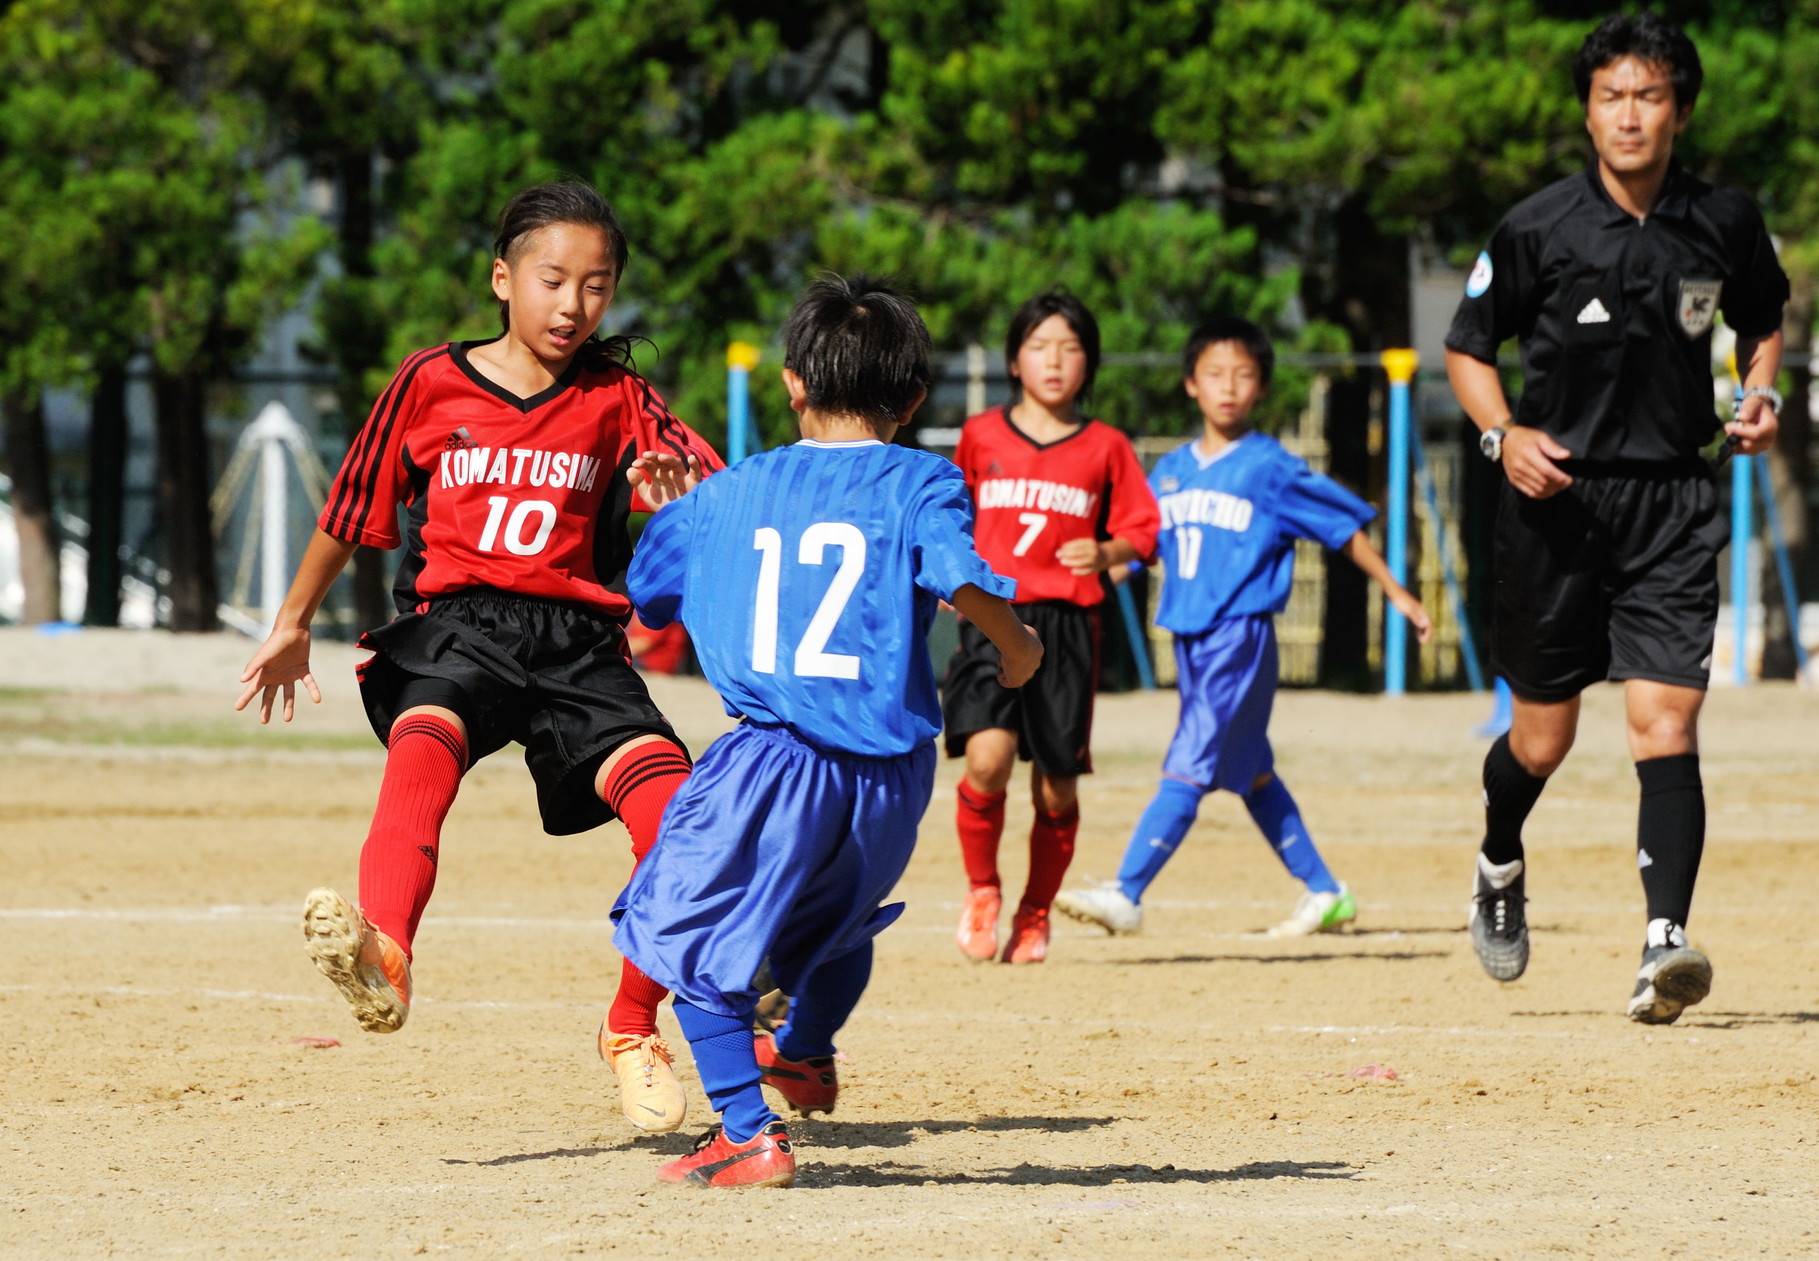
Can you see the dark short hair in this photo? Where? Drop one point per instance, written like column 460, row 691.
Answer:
column 859, row 346
column 1229, row 328
column 1649, row 38
column 1055, row 301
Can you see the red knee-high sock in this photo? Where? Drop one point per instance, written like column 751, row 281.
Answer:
column 1051, row 850
column 423, row 765
column 979, row 819
column 638, row 790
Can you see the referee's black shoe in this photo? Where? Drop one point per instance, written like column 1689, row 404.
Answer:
column 1500, row 920
column 1673, row 976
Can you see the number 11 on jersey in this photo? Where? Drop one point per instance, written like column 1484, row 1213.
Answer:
column 812, row 660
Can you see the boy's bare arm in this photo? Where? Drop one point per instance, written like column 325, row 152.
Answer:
column 1359, row 551
column 1019, row 650
column 283, row 659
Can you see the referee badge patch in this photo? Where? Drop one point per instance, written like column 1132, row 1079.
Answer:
column 1480, row 279
column 1698, row 305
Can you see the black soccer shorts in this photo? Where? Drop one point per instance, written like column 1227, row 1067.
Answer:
column 1616, row 577
column 1052, row 714
column 547, row 674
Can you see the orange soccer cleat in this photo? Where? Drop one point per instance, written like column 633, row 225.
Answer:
column 810, row 1085
column 765, row 1160
column 978, row 932
column 1029, row 937
column 649, row 1094
column 369, row 968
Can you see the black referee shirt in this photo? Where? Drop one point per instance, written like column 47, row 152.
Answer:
column 1615, row 313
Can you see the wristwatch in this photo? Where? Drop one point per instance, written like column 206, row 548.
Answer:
column 1491, row 442
column 1768, row 392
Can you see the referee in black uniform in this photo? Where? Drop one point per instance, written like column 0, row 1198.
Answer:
column 1608, row 529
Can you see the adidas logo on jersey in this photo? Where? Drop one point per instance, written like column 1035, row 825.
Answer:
column 460, row 440
column 1594, row 313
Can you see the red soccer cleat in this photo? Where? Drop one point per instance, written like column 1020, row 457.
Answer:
column 1029, row 937
column 369, row 968
column 764, row 1161
column 809, row 1085
column 978, row 931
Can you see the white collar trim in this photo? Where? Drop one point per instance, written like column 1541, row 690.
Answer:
column 837, row 446
column 1207, row 461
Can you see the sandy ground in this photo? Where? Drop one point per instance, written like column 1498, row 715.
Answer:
column 1186, row 1093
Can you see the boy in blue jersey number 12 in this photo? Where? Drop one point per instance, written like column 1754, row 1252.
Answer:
column 1233, row 504
column 807, row 577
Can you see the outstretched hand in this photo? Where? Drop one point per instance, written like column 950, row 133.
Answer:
column 1412, row 609
column 280, row 664
column 664, row 477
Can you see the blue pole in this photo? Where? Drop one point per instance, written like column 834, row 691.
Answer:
column 741, row 434
column 1400, row 364
column 1468, row 646
column 1133, row 629
column 738, row 412
column 1784, row 566
column 1740, row 566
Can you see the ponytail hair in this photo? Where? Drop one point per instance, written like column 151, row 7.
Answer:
column 566, row 201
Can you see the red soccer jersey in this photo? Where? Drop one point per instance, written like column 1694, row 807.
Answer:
column 1031, row 497
column 527, row 495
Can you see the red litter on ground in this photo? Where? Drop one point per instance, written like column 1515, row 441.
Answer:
column 322, row 1044
column 1375, row 1072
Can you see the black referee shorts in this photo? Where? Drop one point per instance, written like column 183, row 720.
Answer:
column 1616, row 577
column 1052, row 714
column 549, row 675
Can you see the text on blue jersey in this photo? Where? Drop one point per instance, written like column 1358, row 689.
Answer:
column 807, row 577
column 1229, row 526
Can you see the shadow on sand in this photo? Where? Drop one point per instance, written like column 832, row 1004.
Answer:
column 892, row 1174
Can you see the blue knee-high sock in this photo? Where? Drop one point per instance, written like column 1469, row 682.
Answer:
column 1276, row 813
column 724, row 1058
column 827, row 999
column 1159, row 834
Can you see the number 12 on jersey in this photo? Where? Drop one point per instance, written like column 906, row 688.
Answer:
column 812, row 659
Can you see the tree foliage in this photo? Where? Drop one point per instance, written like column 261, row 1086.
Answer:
column 1164, row 158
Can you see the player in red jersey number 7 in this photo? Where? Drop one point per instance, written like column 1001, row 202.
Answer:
column 1060, row 499
column 516, row 461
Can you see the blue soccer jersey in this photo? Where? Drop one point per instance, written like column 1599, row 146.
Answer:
column 1229, row 526
column 807, row 577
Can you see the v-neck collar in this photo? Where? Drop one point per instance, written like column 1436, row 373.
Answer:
column 1005, row 413
column 458, row 352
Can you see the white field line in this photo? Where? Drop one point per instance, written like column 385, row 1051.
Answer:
column 875, row 1013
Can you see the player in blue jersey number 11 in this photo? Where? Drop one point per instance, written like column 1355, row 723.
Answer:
column 1233, row 505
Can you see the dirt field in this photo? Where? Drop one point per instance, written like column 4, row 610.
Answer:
column 1186, row 1093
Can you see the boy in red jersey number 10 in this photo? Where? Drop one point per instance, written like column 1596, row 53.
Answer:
column 1060, row 499
column 517, row 461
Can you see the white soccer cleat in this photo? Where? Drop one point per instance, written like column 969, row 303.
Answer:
column 1318, row 913
column 1104, row 905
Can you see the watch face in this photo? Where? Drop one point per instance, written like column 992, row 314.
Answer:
column 1491, row 444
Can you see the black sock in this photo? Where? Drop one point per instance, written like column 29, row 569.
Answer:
column 1670, row 833
column 1509, row 794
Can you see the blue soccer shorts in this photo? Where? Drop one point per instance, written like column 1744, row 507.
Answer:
column 1226, row 677
column 772, row 850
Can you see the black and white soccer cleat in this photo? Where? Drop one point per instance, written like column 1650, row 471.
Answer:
column 1672, row 978
column 1499, row 919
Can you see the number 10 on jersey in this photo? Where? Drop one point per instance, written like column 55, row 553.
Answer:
column 812, row 659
